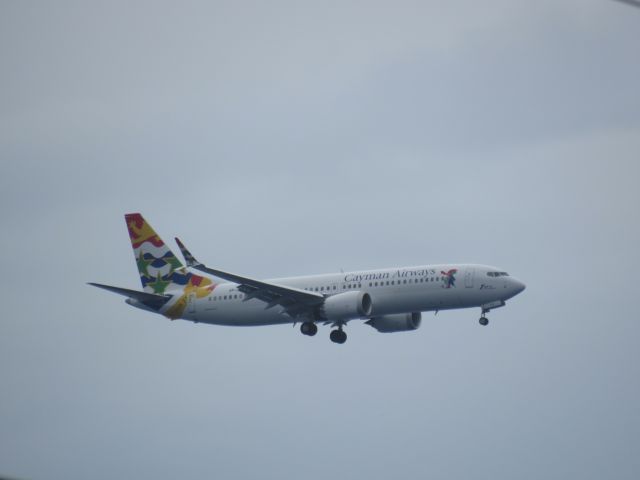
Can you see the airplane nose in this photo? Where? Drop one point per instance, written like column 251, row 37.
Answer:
column 519, row 286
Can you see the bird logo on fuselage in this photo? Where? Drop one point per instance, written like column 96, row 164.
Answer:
column 449, row 278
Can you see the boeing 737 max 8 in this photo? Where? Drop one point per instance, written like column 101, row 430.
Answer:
column 390, row 300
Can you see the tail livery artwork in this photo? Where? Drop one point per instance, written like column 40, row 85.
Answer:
column 389, row 300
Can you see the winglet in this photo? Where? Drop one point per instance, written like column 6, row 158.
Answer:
column 188, row 258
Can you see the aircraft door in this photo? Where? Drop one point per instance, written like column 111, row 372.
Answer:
column 468, row 277
column 191, row 303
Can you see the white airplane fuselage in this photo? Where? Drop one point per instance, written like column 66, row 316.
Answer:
column 392, row 291
column 389, row 300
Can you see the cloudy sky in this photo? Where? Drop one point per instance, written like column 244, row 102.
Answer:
column 285, row 138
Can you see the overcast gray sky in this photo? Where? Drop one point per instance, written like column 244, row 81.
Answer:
column 285, row 138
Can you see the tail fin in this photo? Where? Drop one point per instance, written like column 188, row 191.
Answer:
column 160, row 270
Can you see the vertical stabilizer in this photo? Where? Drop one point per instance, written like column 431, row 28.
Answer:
column 160, row 270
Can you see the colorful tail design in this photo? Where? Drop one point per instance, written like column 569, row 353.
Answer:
column 160, row 270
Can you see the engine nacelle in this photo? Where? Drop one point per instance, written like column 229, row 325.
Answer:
column 401, row 322
column 347, row 306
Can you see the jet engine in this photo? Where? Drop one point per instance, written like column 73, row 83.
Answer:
column 401, row 322
column 346, row 306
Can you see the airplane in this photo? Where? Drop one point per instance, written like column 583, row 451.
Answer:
column 389, row 299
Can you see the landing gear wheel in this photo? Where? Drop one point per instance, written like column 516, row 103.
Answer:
column 484, row 321
column 338, row 336
column 309, row 328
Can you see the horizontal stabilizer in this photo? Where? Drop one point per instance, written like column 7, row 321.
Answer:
column 150, row 299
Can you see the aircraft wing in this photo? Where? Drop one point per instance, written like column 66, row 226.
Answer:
column 294, row 300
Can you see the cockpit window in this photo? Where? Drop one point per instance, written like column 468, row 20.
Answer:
column 497, row 274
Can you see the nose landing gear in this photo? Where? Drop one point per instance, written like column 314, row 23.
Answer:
column 486, row 308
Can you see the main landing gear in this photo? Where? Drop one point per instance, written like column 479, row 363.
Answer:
column 309, row 328
column 338, row 336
